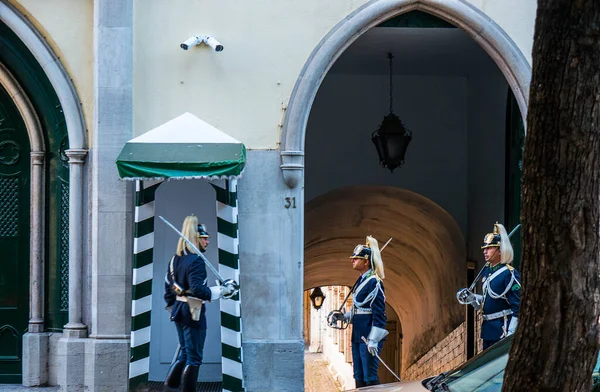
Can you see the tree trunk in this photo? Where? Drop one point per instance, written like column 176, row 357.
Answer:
column 556, row 343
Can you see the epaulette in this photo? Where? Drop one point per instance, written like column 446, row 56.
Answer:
column 510, row 267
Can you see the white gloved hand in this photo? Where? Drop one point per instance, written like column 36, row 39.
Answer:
column 229, row 288
column 168, row 308
column 512, row 327
column 476, row 301
column 339, row 316
column 220, row 291
column 372, row 347
column 376, row 335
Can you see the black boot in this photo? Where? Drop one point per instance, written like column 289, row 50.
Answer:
column 173, row 380
column 360, row 383
column 190, row 378
column 374, row 382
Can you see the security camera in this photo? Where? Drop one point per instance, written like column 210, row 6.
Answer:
column 192, row 41
column 213, row 43
column 199, row 39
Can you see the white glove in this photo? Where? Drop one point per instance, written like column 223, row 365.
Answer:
column 375, row 336
column 341, row 316
column 372, row 347
column 512, row 326
column 219, row 291
column 476, row 301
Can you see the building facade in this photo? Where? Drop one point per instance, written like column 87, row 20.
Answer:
column 302, row 85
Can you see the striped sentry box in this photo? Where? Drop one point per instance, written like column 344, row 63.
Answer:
column 228, row 244
column 231, row 321
column 141, row 303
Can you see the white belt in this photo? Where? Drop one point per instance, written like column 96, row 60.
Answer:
column 192, row 301
column 497, row 315
column 363, row 311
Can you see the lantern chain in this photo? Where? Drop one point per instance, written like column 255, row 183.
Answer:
column 390, row 57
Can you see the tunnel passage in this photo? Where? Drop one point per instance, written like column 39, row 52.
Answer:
column 424, row 263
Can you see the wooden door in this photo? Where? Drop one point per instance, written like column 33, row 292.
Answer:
column 14, row 238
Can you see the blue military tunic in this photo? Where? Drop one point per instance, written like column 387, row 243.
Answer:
column 190, row 273
column 369, row 311
column 501, row 300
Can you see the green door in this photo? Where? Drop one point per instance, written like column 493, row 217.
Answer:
column 14, row 238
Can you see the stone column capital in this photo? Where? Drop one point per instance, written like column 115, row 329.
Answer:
column 76, row 155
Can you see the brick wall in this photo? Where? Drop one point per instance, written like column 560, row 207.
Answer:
column 444, row 356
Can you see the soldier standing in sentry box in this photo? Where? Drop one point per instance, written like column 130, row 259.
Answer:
column 367, row 316
column 185, row 294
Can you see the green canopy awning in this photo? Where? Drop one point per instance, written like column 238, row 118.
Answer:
column 185, row 147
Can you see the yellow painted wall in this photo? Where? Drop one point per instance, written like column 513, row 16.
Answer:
column 67, row 26
column 241, row 90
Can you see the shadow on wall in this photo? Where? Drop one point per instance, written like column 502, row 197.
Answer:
column 425, row 264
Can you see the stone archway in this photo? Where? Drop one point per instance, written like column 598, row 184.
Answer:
column 55, row 72
column 497, row 44
column 424, row 263
column 29, row 50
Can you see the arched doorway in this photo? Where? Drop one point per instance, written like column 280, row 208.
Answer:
column 459, row 93
column 460, row 13
column 52, row 124
column 424, row 262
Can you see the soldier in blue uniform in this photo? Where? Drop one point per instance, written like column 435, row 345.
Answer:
column 185, row 294
column 367, row 316
column 501, row 288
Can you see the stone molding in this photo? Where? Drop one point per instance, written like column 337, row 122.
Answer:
column 58, row 76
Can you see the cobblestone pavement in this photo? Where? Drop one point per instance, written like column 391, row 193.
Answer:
column 317, row 377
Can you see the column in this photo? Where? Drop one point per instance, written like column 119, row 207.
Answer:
column 75, row 327
column 36, row 244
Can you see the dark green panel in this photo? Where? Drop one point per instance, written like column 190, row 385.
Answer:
column 140, row 352
column 515, row 142
column 230, row 352
column 416, row 19
column 229, row 259
column 144, row 227
column 225, row 196
column 15, row 56
column 232, row 383
column 227, row 228
column 14, row 238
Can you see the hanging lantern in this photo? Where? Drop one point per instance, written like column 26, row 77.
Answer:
column 392, row 138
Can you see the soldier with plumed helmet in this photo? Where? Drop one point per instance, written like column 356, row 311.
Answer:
column 185, row 294
column 501, row 288
column 367, row 316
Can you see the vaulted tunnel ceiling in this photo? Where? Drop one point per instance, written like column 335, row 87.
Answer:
column 424, row 263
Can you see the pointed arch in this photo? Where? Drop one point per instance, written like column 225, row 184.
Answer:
column 496, row 43
column 55, row 72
